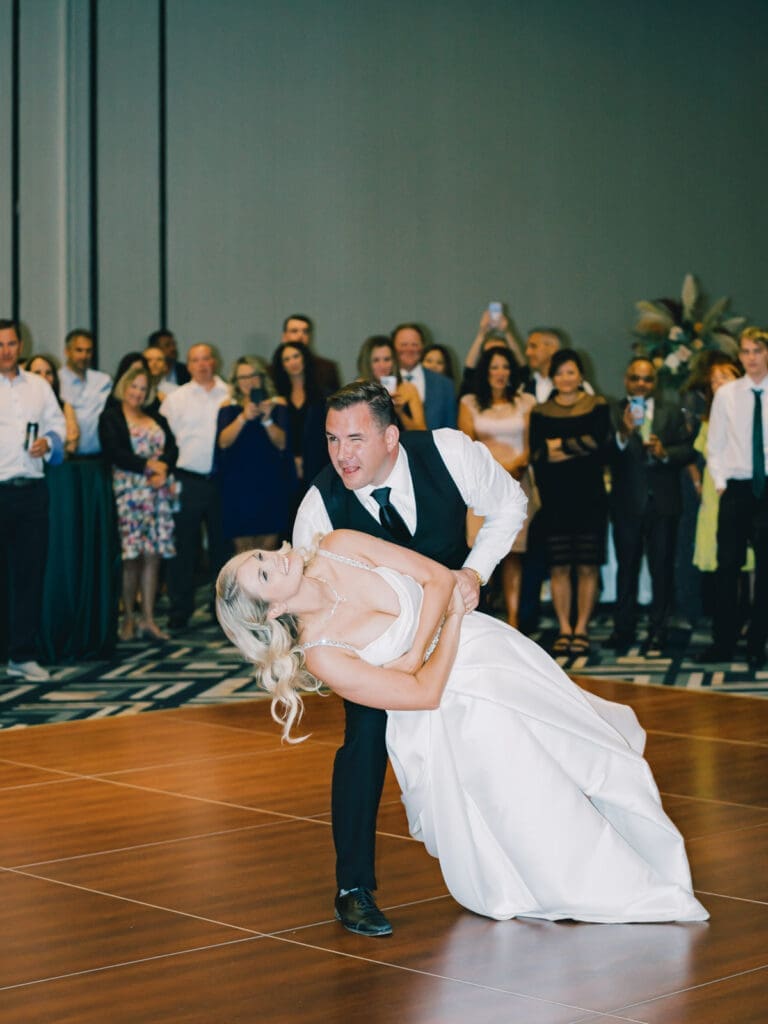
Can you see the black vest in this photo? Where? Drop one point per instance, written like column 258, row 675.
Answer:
column 440, row 508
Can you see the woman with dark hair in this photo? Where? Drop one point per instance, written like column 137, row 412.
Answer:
column 499, row 415
column 142, row 449
column 45, row 366
column 249, row 462
column 569, row 442
column 438, row 359
column 377, row 361
column 295, row 377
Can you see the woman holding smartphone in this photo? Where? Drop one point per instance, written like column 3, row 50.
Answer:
column 377, row 361
column 253, row 475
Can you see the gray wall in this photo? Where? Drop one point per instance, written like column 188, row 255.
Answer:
column 367, row 163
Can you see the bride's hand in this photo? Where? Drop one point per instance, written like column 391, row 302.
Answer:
column 457, row 604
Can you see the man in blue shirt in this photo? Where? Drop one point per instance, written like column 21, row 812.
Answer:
column 85, row 389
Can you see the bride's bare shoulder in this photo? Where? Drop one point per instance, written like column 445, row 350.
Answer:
column 351, row 543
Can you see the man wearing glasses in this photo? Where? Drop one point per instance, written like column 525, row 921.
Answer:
column 651, row 444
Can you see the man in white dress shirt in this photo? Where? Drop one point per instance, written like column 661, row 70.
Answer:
column 192, row 413
column 736, row 458
column 435, row 390
column 414, row 490
column 32, row 431
column 85, row 389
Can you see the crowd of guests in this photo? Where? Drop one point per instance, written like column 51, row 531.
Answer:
column 187, row 450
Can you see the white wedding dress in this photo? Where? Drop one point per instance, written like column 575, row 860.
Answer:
column 532, row 793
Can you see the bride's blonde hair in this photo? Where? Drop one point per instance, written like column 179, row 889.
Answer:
column 269, row 644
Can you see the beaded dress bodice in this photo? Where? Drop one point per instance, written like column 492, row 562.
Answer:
column 398, row 636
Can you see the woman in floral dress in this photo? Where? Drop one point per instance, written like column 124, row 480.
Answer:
column 142, row 450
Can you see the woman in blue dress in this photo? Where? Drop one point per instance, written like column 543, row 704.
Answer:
column 255, row 478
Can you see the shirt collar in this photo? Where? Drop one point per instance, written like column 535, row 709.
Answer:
column 398, row 478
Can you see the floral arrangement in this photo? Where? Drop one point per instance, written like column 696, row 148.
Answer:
column 672, row 332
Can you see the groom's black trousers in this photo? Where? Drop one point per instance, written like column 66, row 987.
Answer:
column 362, row 761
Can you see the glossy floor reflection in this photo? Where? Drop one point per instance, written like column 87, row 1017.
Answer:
column 178, row 867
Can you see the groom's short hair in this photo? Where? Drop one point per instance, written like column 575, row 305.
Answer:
column 377, row 398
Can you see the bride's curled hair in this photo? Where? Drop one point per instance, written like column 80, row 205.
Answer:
column 270, row 644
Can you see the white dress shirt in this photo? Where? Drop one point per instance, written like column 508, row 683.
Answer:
column 192, row 412
column 416, row 377
column 27, row 398
column 485, row 487
column 729, row 442
column 87, row 396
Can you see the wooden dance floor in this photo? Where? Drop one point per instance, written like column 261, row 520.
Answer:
column 178, row 867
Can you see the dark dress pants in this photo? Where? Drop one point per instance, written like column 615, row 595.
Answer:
column 742, row 518
column 200, row 503
column 24, row 533
column 652, row 533
column 358, row 779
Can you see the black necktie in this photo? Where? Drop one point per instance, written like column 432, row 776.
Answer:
column 758, row 452
column 390, row 518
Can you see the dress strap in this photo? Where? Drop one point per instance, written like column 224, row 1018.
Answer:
column 335, row 557
column 324, row 642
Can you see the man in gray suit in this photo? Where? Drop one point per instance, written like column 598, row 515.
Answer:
column 436, row 391
column 650, row 446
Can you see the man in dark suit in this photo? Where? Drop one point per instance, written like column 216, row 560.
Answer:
column 298, row 328
column 651, row 444
column 414, row 490
column 436, row 391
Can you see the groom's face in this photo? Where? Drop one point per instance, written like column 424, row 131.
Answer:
column 361, row 450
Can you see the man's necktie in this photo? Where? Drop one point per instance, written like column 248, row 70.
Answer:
column 758, row 450
column 408, row 377
column 645, row 427
column 389, row 517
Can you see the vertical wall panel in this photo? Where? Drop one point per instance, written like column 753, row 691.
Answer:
column 78, row 183
column 6, row 212
column 43, row 173
column 127, row 176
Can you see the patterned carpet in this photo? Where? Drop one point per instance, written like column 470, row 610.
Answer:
column 200, row 667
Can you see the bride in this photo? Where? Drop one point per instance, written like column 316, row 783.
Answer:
column 533, row 793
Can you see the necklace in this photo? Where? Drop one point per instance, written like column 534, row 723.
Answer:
column 337, row 600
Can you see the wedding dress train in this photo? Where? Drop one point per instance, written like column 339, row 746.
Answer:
column 532, row 793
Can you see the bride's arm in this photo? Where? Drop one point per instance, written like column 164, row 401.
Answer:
column 389, row 688
column 437, row 582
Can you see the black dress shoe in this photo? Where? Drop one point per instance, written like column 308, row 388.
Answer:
column 713, row 653
column 358, row 912
column 755, row 660
column 620, row 642
column 655, row 641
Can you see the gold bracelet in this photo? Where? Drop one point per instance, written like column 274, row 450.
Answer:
column 480, row 580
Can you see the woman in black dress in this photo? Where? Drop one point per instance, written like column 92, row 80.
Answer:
column 568, row 445
column 295, row 379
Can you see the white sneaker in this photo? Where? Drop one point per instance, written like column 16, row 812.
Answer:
column 28, row 670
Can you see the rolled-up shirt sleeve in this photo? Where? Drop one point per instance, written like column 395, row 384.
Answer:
column 53, row 426
column 490, row 491
column 717, row 439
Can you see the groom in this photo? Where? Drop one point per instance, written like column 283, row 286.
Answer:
column 413, row 490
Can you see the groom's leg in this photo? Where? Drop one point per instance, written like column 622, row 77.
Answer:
column 358, row 779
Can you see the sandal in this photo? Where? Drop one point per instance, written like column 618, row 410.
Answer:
column 562, row 644
column 580, row 644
